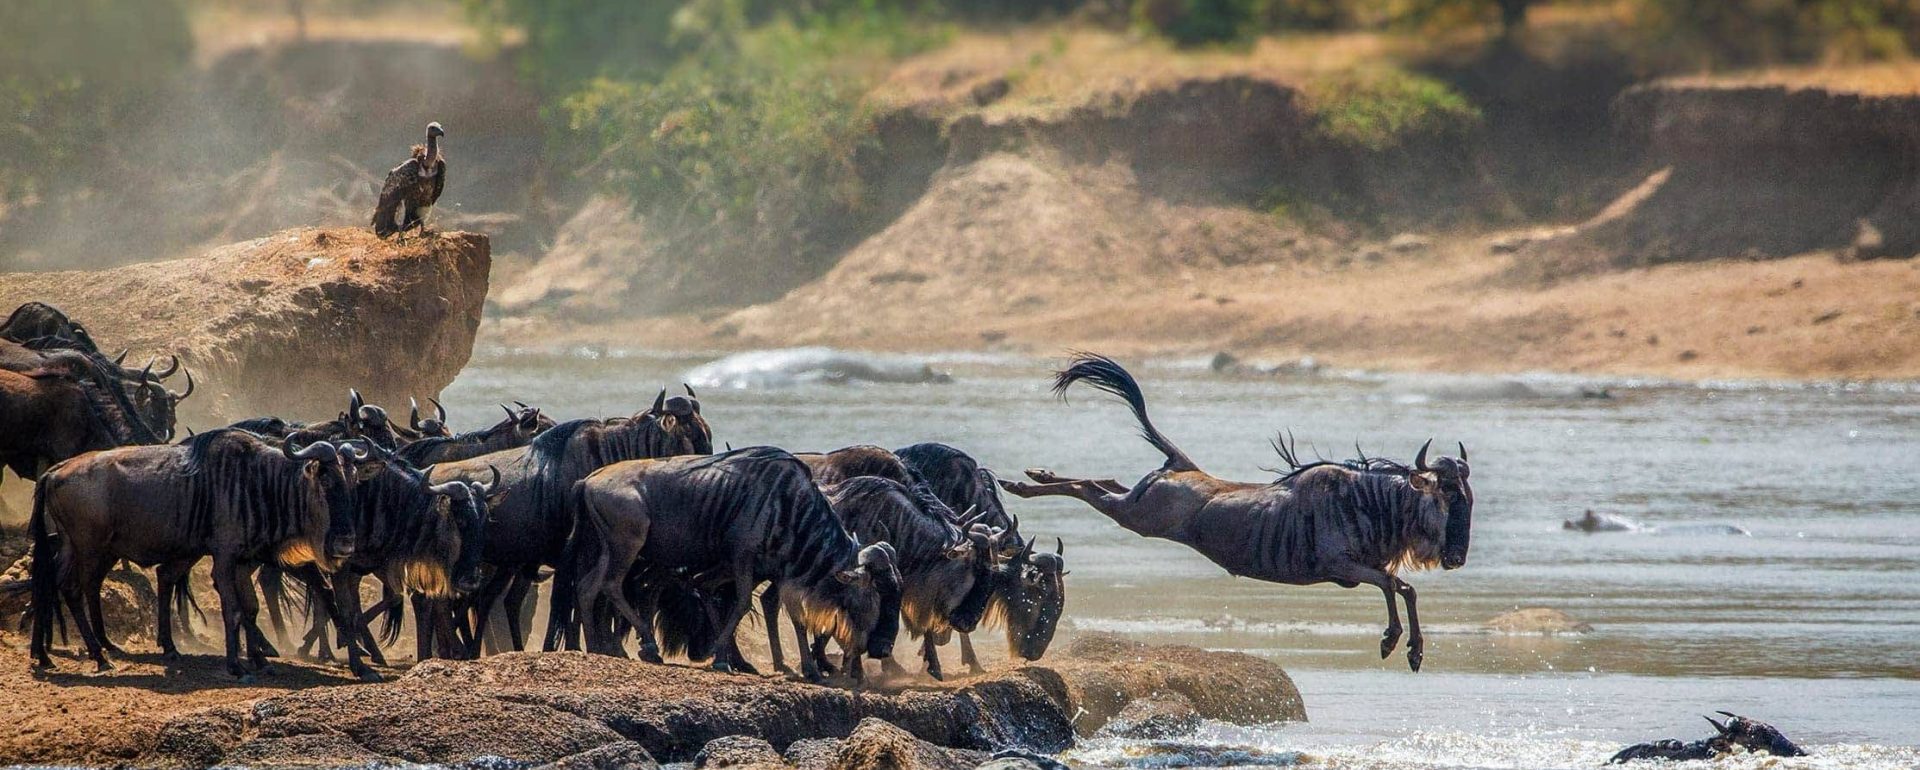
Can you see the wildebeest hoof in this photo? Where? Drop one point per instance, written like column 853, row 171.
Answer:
column 101, row 667
column 1413, row 659
column 246, row 678
column 722, row 666
column 369, row 675
column 1043, row 475
column 651, row 656
column 1388, row 641
column 170, row 656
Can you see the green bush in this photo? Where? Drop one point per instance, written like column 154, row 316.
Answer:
column 1380, row 109
column 1195, row 22
column 75, row 72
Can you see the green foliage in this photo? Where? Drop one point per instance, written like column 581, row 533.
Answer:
column 1380, row 109
column 1195, row 22
column 73, row 72
column 1745, row 32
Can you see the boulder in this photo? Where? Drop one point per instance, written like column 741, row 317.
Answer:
column 738, row 751
column 1168, row 715
column 876, row 745
column 1102, row 674
column 624, row 755
column 127, row 600
column 285, row 324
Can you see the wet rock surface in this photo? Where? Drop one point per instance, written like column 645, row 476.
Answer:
column 276, row 325
column 575, row 710
column 1161, row 716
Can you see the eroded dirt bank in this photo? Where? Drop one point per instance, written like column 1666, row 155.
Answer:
column 280, row 324
column 1763, row 232
column 534, row 708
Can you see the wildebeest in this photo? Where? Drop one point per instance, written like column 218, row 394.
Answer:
column 739, row 519
column 517, row 430
column 224, row 493
column 33, row 321
column 38, row 336
column 361, row 420
column 1344, row 523
column 435, row 426
column 1738, row 731
column 945, row 576
column 1029, row 594
column 424, row 537
column 533, row 520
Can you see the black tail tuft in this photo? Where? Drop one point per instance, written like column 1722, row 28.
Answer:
column 563, row 618
column 393, row 616
column 1108, row 375
column 45, row 570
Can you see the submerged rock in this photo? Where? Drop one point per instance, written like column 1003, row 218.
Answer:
column 1162, row 716
column 1600, row 522
column 278, row 324
column 625, row 755
column 1103, row 674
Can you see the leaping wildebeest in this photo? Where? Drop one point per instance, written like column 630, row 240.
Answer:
column 224, row 493
column 1324, row 522
column 737, row 520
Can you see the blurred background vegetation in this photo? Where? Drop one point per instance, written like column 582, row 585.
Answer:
column 734, row 125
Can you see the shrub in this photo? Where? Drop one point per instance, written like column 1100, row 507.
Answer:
column 1380, row 109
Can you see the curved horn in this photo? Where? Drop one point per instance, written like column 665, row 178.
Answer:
column 354, row 401
column 447, row 489
column 509, row 411
column 690, row 393
column 146, row 374
column 487, row 488
column 413, row 414
column 1420, row 460
column 122, row 358
column 1463, row 450
column 522, row 404
column 439, row 412
column 318, row 450
column 1059, row 546
column 660, row 402
column 355, row 450
column 1026, row 549
column 173, row 365
column 182, row 396
column 1716, row 725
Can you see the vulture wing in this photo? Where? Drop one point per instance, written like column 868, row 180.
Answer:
column 439, row 180
column 392, row 195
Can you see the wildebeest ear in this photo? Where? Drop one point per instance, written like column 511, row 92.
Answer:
column 1421, row 482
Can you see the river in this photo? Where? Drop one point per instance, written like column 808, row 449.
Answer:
column 1811, row 621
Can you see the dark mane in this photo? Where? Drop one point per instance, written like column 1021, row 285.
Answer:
column 1285, row 446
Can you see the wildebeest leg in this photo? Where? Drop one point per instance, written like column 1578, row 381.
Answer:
column 258, row 648
column 1045, row 476
column 968, row 657
column 427, row 617
column 930, row 652
column 170, row 577
column 95, row 583
column 1356, row 573
column 1091, row 492
column 76, row 578
column 1416, row 646
column 514, row 605
column 770, row 614
column 482, row 602
column 346, row 601
column 225, row 583
column 725, row 655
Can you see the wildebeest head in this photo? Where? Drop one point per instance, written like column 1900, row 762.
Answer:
column 1449, row 484
column 1752, row 735
column 1029, row 595
column 873, row 615
column 680, row 428
column 326, row 470
column 432, row 426
column 462, row 529
column 156, row 404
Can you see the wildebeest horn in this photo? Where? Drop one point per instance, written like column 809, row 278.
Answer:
column 690, row 393
column 122, row 358
column 146, row 373
column 970, row 516
column 1026, row 549
column 354, row 401
column 487, row 488
column 173, row 365
column 1059, row 547
column 1716, row 725
column 511, row 415
column 318, row 450
column 660, row 402
column 447, row 489
column 356, row 450
column 439, row 412
column 413, row 413
column 1463, row 450
column 179, row 397
column 1420, row 460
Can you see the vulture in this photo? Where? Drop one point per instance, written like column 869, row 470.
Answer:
column 412, row 188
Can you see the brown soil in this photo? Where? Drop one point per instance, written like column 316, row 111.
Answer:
column 287, row 323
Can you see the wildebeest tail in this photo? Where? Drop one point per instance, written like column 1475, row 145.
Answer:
column 393, row 616
column 1108, row 375
column 45, row 570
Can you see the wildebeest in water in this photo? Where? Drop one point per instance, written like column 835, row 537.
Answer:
column 1325, row 522
column 224, row 493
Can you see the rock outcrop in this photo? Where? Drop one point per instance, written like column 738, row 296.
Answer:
column 286, row 323
column 559, row 707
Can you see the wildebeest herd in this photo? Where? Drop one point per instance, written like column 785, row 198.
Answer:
column 639, row 528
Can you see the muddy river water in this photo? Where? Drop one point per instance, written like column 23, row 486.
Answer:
column 1810, row 620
